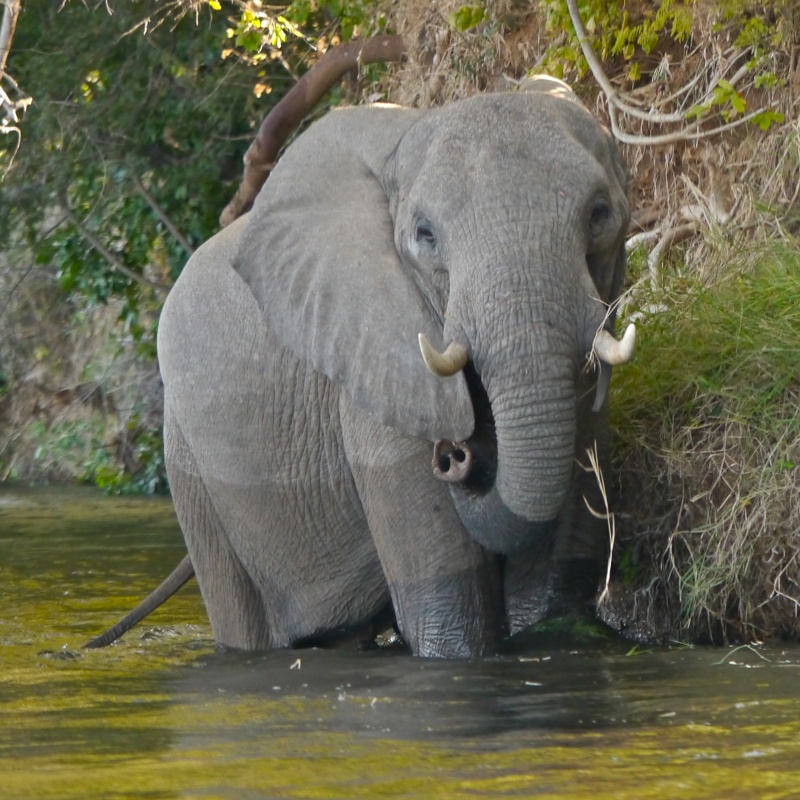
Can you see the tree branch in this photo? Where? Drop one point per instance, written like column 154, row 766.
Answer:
column 9, row 107
column 617, row 104
column 112, row 260
column 7, row 27
column 284, row 118
column 161, row 214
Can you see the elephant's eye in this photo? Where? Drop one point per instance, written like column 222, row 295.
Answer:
column 423, row 233
column 601, row 211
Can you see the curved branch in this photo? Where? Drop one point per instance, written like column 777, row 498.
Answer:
column 688, row 134
column 591, row 59
column 669, row 237
column 617, row 104
column 284, row 118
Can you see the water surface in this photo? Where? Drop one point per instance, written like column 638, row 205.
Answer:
column 163, row 715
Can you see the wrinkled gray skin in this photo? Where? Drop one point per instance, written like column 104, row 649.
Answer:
column 300, row 418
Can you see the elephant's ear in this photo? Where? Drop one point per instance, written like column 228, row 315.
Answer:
column 608, row 270
column 318, row 254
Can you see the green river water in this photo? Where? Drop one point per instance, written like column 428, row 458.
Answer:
column 163, row 715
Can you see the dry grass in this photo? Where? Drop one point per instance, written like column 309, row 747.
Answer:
column 709, row 457
column 445, row 65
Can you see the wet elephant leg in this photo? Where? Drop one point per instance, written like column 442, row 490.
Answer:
column 234, row 606
column 446, row 590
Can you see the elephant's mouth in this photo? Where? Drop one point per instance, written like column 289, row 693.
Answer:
column 472, row 464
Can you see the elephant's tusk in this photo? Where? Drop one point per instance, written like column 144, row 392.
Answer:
column 446, row 364
column 613, row 352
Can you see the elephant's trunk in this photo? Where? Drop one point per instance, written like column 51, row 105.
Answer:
column 526, row 351
column 535, row 430
column 534, row 437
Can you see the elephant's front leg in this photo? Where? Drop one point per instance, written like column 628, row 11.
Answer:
column 447, row 591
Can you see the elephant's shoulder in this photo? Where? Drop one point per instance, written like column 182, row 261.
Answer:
column 213, row 332
column 208, row 290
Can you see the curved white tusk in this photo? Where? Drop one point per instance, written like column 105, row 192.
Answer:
column 446, row 364
column 614, row 352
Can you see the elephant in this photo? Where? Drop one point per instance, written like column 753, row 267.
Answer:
column 381, row 382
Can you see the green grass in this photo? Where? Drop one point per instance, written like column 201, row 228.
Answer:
column 730, row 351
column 708, row 428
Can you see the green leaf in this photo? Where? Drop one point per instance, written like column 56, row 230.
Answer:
column 681, row 24
column 215, row 5
column 766, row 118
column 738, row 102
column 695, row 112
column 648, row 40
column 467, row 17
column 724, row 88
column 768, row 80
column 249, row 40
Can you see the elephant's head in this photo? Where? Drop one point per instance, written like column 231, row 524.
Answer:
column 493, row 227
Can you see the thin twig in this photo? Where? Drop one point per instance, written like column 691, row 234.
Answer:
column 6, row 129
column 161, row 214
column 112, row 260
column 724, row 659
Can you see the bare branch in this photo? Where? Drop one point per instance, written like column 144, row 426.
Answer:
column 9, row 107
column 7, row 27
column 161, row 214
column 5, row 130
column 284, row 118
column 664, row 238
column 112, row 260
column 616, row 103
column 669, row 237
column 687, row 134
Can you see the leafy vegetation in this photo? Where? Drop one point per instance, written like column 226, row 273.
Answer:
column 131, row 149
column 649, row 38
column 127, row 131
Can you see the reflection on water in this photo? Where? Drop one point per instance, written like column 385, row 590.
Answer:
column 163, row 715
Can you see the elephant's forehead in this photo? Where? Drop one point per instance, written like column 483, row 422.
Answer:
column 519, row 119
column 503, row 155
column 514, row 136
